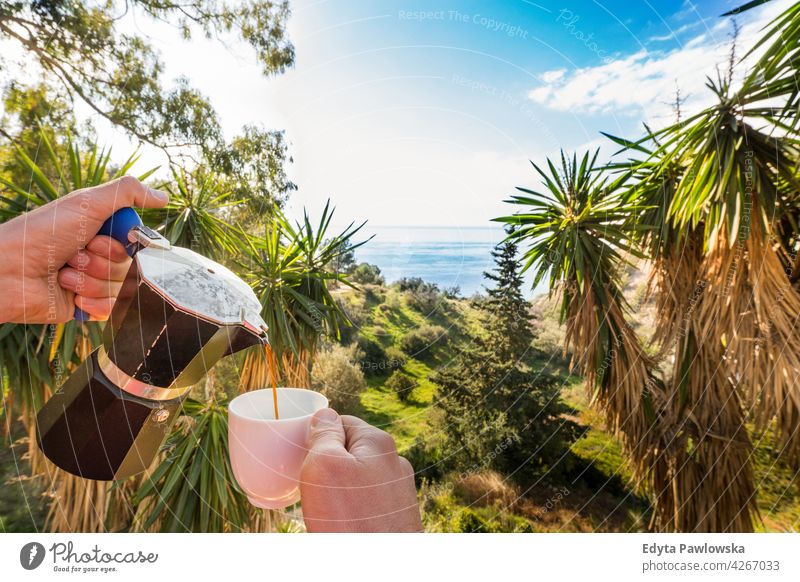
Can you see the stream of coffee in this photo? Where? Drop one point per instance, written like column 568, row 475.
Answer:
column 269, row 360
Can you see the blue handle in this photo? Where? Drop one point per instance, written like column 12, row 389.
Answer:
column 117, row 227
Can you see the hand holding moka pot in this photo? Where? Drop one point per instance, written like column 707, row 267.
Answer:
column 176, row 315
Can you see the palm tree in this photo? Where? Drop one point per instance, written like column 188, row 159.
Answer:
column 711, row 202
column 575, row 237
column 291, row 269
column 196, row 215
column 193, row 487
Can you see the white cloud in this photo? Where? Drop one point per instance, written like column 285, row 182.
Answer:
column 553, row 76
column 643, row 84
column 673, row 34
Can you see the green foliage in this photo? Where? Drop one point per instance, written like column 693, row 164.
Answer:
column 427, row 459
column 27, row 111
column 346, row 262
column 373, row 360
column 254, row 167
column 195, row 215
column 422, row 296
column 496, row 411
column 290, row 271
column 194, row 489
column 774, row 76
column 418, row 342
column 412, row 284
column 581, row 231
column 468, row 521
column 367, row 274
column 425, row 301
column 80, row 46
column 758, row 170
column 22, row 503
column 573, row 228
column 337, row 376
column 401, row 384
column 505, row 305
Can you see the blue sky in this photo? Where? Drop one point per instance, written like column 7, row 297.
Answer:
column 426, row 113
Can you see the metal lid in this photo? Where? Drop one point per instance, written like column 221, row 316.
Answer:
column 200, row 286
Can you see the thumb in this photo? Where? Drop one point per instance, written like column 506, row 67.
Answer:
column 103, row 200
column 326, row 433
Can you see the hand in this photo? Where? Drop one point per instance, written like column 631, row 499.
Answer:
column 51, row 259
column 353, row 480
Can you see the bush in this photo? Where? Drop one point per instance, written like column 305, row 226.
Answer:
column 395, row 358
column 401, row 384
column 409, row 283
column 372, row 357
column 367, row 274
column 374, row 295
column 468, row 521
column 422, row 296
column 428, row 461
column 375, row 361
column 417, row 342
column 336, row 376
column 356, row 313
column 424, row 301
column 486, row 488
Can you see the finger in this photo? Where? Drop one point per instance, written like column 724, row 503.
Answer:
column 327, row 433
column 99, row 267
column 365, row 440
column 107, row 247
column 99, row 308
column 86, row 285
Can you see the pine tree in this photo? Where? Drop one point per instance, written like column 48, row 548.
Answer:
column 498, row 411
column 506, row 310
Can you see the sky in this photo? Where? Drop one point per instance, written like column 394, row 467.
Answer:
column 427, row 113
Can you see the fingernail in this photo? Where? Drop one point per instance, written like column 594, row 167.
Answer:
column 324, row 417
column 81, row 259
column 69, row 278
column 160, row 194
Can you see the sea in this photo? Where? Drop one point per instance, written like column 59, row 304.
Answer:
column 446, row 255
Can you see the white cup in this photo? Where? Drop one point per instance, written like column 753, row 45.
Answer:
column 267, row 454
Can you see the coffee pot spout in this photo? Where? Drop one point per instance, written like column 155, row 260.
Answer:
column 253, row 332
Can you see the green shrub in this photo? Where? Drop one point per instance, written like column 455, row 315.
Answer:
column 377, row 361
column 356, row 314
column 453, row 292
column 401, row 384
column 337, row 376
column 424, row 301
column 468, row 521
column 421, row 295
column 395, row 358
column 367, row 274
column 374, row 295
column 373, row 357
column 417, row 342
column 428, row 461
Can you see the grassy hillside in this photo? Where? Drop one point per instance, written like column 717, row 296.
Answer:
column 592, row 488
